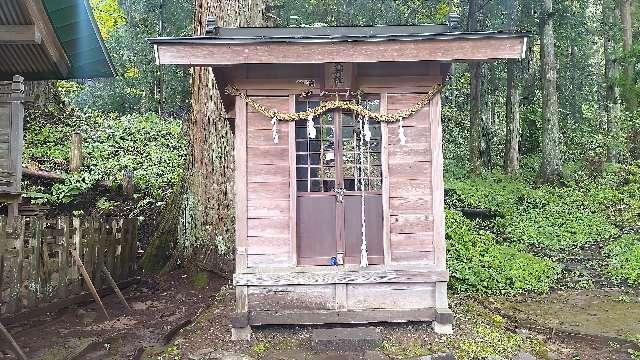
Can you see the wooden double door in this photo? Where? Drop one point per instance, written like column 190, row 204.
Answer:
column 339, row 178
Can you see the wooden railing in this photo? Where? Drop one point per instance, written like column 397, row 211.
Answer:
column 37, row 263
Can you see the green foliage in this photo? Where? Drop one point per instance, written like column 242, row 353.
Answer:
column 200, row 279
column 108, row 15
column 480, row 264
column 488, row 341
column 553, row 218
column 624, row 259
column 150, row 147
column 136, row 89
column 404, row 350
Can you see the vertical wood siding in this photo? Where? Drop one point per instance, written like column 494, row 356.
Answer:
column 410, row 185
column 268, row 226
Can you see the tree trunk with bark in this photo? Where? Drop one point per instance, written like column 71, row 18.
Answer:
column 612, row 91
column 512, row 134
column 511, row 161
column 208, row 232
column 551, row 167
column 475, row 111
column 205, row 233
column 631, row 102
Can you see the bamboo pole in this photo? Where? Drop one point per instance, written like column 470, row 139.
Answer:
column 115, row 287
column 87, row 281
column 13, row 343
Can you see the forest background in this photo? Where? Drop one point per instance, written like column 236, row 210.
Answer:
column 548, row 147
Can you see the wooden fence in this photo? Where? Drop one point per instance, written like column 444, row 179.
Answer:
column 37, row 265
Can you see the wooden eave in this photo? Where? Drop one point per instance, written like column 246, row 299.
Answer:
column 51, row 39
column 224, row 51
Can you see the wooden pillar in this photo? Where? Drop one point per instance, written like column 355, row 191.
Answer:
column 240, row 329
column 76, row 152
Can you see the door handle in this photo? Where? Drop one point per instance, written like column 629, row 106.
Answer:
column 339, row 194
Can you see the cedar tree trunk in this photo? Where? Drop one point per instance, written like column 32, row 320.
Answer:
column 208, row 230
column 612, row 92
column 512, row 107
column 551, row 167
column 627, row 42
column 475, row 111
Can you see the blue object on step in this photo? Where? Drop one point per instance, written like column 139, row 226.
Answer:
column 333, row 261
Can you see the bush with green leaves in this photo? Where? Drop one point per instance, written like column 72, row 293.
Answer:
column 480, row 264
column 624, row 259
column 548, row 217
column 151, row 148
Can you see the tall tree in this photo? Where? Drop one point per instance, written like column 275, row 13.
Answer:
column 551, row 166
column 475, row 111
column 612, row 91
column 208, row 212
column 512, row 116
column 631, row 101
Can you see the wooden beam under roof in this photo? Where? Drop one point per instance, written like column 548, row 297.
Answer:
column 199, row 53
column 41, row 20
column 19, row 34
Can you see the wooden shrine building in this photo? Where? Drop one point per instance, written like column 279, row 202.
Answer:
column 339, row 171
column 40, row 40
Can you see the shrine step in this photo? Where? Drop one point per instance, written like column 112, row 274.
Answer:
column 346, row 339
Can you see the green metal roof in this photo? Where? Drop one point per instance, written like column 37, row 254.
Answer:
column 78, row 33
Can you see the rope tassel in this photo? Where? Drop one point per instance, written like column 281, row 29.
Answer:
column 274, row 130
column 367, row 130
column 403, row 138
column 311, row 129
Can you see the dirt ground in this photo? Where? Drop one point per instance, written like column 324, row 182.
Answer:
column 173, row 319
column 159, row 305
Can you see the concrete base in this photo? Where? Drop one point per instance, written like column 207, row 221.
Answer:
column 348, row 339
column 442, row 329
column 241, row 334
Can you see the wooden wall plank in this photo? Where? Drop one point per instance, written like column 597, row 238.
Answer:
column 335, row 276
column 292, row 297
column 410, row 189
column 276, row 226
column 390, row 296
column 411, row 242
column 411, row 224
column 267, row 155
column 257, row 173
column 268, row 187
column 411, row 170
column 266, row 209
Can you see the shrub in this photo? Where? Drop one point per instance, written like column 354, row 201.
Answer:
column 152, row 148
column 549, row 217
column 624, row 259
column 478, row 263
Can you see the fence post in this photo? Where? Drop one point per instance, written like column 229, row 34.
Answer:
column 63, row 254
column 78, row 245
column 35, row 244
column 76, row 152
column 3, row 247
column 16, row 303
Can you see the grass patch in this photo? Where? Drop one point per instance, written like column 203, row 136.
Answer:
column 479, row 263
column 200, row 279
column 624, row 259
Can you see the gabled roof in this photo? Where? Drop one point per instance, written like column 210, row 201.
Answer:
column 228, row 46
column 56, row 39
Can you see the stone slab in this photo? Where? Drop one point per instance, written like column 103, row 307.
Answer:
column 346, row 339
